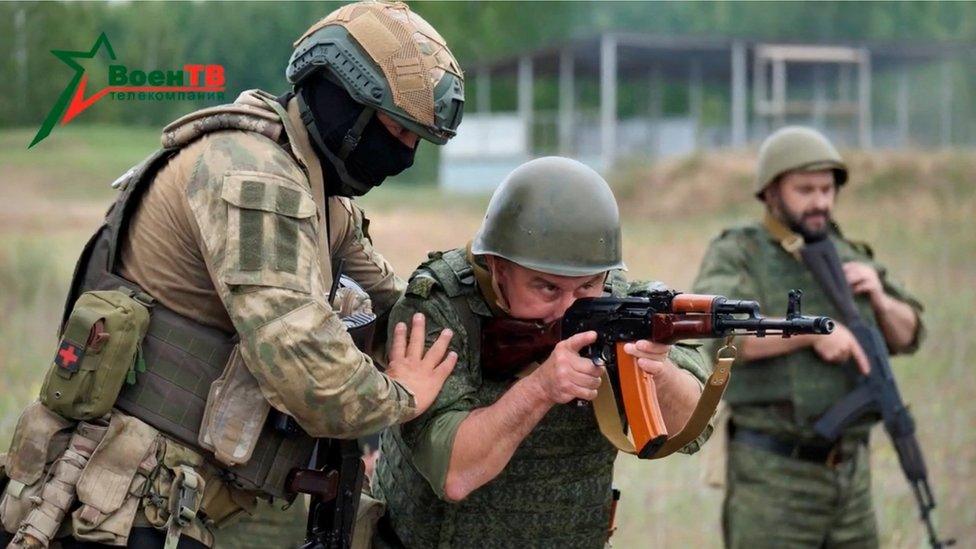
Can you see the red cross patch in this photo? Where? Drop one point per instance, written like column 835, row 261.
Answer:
column 69, row 356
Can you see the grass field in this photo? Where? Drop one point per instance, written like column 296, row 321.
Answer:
column 916, row 209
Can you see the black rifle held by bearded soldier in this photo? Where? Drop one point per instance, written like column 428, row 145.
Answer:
column 878, row 392
column 663, row 316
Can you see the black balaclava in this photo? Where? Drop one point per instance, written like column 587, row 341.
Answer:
column 376, row 156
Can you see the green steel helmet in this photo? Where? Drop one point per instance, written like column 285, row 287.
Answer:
column 389, row 59
column 797, row 148
column 553, row 215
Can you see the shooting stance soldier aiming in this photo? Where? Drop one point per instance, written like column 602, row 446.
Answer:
column 511, row 453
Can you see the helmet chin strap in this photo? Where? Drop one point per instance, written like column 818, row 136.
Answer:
column 349, row 142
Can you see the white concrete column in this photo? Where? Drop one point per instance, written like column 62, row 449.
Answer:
column 819, row 97
column 608, row 100
column 483, row 83
column 525, row 99
column 779, row 91
column 760, row 95
column 738, row 106
column 567, row 101
column 864, row 119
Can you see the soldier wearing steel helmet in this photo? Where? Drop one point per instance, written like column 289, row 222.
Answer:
column 786, row 487
column 504, row 461
column 232, row 232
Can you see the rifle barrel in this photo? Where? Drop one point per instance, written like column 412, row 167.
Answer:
column 821, row 325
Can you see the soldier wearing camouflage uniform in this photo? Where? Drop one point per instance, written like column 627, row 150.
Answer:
column 234, row 229
column 785, row 486
column 507, row 462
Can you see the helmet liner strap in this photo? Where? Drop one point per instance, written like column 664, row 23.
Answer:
column 355, row 133
column 340, row 166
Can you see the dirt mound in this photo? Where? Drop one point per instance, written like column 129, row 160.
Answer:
column 722, row 181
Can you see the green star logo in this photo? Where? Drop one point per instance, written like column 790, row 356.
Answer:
column 70, row 103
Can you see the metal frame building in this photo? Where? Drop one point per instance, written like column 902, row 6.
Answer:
column 812, row 83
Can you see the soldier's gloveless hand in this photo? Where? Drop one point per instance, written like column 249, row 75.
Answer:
column 566, row 375
column 863, row 279
column 422, row 373
column 841, row 346
column 652, row 358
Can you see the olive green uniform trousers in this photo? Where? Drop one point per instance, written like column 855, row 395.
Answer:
column 777, row 501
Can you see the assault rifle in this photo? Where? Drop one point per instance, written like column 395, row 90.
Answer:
column 878, row 392
column 664, row 316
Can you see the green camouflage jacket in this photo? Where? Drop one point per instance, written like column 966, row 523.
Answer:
column 784, row 395
column 555, row 491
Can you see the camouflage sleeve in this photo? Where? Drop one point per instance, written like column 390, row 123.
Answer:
column 368, row 268
column 896, row 290
column 258, row 231
column 689, row 357
column 430, row 437
column 364, row 264
column 725, row 271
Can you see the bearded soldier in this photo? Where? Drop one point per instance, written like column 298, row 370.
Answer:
column 787, row 487
column 230, row 237
column 505, row 461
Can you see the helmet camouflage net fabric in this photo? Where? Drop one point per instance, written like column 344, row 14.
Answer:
column 388, row 58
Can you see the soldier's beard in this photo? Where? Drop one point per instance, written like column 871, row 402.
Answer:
column 801, row 222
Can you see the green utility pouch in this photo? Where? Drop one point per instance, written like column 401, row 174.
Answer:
column 98, row 352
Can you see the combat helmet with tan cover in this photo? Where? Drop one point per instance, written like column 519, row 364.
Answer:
column 389, row 59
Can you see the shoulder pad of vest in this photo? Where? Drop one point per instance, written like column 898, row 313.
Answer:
column 449, row 270
column 234, row 116
column 147, row 167
column 421, row 284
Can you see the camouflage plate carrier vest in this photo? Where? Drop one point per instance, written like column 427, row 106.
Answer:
column 182, row 356
column 810, row 384
column 555, row 491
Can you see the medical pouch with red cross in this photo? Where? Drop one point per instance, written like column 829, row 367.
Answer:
column 99, row 350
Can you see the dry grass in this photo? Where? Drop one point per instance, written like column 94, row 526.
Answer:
column 916, row 209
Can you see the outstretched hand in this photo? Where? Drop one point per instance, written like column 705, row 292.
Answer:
column 422, row 373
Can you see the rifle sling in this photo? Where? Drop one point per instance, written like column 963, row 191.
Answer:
column 790, row 241
column 821, row 259
column 608, row 417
